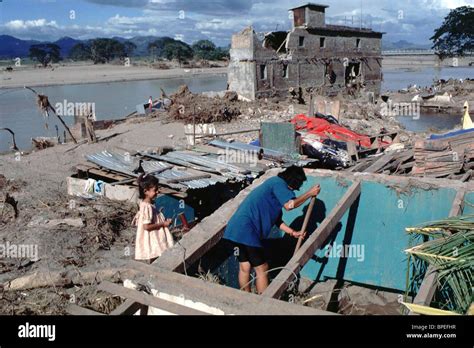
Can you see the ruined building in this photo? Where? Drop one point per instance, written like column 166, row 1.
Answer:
column 325, row 58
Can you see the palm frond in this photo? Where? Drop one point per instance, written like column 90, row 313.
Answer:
column 451, row 251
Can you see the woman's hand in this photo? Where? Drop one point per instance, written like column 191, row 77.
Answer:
column 167, row 223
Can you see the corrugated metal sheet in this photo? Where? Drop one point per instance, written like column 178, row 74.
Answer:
column 267, row 153
column 211, row 164
column 127, row 164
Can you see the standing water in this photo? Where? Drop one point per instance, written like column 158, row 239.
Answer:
column 115, row 100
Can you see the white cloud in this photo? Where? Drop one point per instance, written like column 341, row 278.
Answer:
column 451, row 4
column 19, row 24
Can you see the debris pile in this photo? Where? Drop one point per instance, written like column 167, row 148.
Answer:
column 444, row 157
column 186, row 106
column 41, row 143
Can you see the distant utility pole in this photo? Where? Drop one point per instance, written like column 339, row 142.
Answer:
column 361, row 14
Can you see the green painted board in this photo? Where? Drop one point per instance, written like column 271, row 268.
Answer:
column 377, row 240
column 279, row 137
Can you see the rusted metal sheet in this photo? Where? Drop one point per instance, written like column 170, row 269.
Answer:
column 127, row 165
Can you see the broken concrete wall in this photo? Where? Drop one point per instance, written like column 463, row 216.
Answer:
column 334, row 44
column 242, row 67
column 317, row 58
column 315, row 18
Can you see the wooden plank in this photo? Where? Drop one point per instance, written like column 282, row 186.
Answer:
column 380, row 163
column 216, row 298
column 467, row 176
column 314, row 242
column 429, row 284
column 129, row 307
column 148, row 300
column 458, row 203
column 77, row 310
column 89, row 170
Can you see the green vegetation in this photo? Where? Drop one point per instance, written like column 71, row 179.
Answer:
column 45, row 53
column 448, row 246
column 205, row 49
column 102, row 50
column 455, row 37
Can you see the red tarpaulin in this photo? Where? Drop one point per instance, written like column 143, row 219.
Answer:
column 325, row 129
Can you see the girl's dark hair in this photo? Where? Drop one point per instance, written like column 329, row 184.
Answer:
column 294, row 177
column 146, row 182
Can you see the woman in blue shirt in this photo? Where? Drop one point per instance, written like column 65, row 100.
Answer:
column 255, row 218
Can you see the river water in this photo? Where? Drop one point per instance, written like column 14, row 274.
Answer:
column 18, row 110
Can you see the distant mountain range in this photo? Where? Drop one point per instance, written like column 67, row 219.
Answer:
column 11, row 47
column 404, row 45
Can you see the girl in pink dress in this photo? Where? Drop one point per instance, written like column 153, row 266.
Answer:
column 153, row 235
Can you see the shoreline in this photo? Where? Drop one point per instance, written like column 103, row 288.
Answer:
column 94, row 74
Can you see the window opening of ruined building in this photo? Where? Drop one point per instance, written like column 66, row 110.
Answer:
column 263, row 72
column 301, row 41
column 284, row 73
column 322, row 42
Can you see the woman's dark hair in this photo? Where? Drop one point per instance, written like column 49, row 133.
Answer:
column 294, row 177
column 146, row 182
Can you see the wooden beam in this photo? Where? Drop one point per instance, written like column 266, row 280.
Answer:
column 380, row 163
column 458, row 203
column 216, row 298
column 430, row 281
column 314, row 242
column 129, row 307
column 74, row 309
column 148, row 300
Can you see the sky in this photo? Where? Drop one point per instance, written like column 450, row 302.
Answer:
column 191, row 20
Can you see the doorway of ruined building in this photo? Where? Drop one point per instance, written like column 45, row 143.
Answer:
column 330, row 74
column 353, row 71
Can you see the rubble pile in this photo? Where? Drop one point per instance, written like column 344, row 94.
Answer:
column 186, row 106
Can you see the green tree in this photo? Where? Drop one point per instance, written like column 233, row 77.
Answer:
column 177, row 50
column 204, row 49
column 45, row 53
column 80, row 51
column 155, row 48
column 104, row 50
column 455, row 37
column 222, row 53
column 129, row 48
